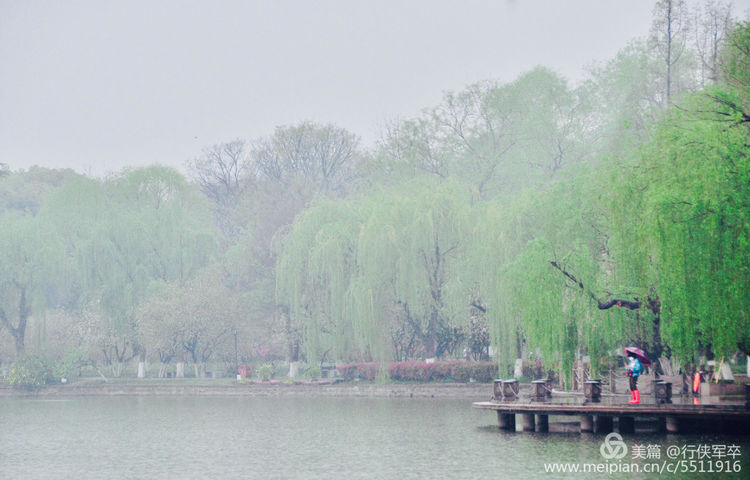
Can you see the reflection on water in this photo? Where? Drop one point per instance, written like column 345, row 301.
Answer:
column 331, row 438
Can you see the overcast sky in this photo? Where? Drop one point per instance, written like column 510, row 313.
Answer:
column 100, row 85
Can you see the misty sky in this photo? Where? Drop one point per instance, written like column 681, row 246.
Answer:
column 99, row 85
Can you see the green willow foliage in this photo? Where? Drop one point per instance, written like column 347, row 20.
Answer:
column 142, row 226
column 530, row 207
column 353, row 271
column 31, row 273
column 686, row 201
column 531, row 301
column 697, row 214
column 662, row 227
column 349, row 269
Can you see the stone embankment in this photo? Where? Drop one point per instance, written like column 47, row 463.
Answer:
column 475, row 391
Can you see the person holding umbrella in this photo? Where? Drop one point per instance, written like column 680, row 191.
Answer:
column 635, row 368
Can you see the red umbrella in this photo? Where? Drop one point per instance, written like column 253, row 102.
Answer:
column 639, row 354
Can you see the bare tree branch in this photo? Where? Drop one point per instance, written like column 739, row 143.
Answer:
column 601, row 304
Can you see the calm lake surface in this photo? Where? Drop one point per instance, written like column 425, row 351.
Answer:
column 295, row 437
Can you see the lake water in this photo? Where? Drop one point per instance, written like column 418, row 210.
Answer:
column 299, row 437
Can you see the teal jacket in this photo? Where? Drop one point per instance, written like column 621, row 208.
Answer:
column 635, row 367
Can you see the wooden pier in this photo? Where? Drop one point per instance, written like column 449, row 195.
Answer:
column 604, row 415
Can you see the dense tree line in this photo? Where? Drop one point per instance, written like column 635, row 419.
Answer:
column 538, row 218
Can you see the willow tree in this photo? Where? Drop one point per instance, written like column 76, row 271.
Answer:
column 142, row 226
column 408, row 252
column 363, row 268
column 499, row 232
column 523, row 253
column 33, row 274
column 698, row 211
column 32, row 260
column 686, row 202
column 314, row 271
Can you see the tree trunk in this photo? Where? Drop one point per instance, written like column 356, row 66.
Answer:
column 519, row 350
column 654, row 304
column 669, row 53
column 293, row 369
column 116, row 368
column 20, row 347
column 180, row 370
column 18, row 332
column 428, row 342
column 23, row 315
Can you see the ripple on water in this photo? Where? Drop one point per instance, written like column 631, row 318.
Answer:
column 282, row 437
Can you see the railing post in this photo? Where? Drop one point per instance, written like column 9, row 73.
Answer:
column 539, row 389
column 510, row 389
column 592, row 390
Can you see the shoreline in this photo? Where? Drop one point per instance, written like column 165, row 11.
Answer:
column 469, row 391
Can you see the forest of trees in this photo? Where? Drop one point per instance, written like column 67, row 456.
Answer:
column 536, row 217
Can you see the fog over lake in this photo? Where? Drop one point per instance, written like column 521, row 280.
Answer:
column 97, row 86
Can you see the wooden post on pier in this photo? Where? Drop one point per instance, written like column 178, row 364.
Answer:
column 673, row 424
column 506, row 421
column 626, row 424
column 528, row 424
column 587, row 423
column 542, row 423
column 603, row 424
column 661, row 424
column 680, row 417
